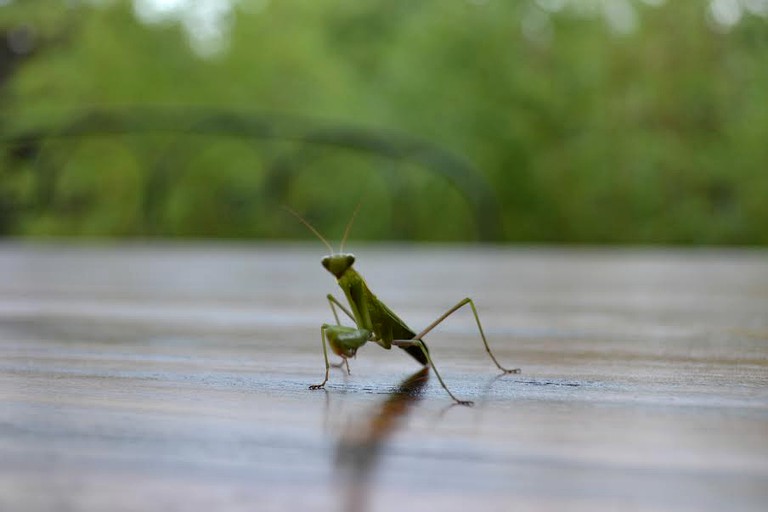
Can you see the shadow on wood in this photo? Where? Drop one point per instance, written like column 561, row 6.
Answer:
column 361, row 445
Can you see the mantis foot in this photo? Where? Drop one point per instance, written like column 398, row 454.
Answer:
column 468, row 403
column 317, row 386
column 514, row 370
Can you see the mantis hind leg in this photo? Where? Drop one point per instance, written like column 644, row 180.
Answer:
column 479, row 327
column 420, row 344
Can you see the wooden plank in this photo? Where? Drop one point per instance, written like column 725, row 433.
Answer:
column 175, row 377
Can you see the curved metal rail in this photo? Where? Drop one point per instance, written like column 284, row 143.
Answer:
column 456, row 171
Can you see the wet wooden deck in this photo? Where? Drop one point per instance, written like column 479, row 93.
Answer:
column 137, row 378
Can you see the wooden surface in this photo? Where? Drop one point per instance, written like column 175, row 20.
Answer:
column 137, row 378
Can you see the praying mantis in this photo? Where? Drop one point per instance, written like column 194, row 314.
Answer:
column 374, row 321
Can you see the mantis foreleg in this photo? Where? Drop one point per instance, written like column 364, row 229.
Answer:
column 479, row 326
column 344, row 362
column 333, row 302
column 344, row 341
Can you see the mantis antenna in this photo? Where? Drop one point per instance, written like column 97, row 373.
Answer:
column 311, row 228
column 349, row 225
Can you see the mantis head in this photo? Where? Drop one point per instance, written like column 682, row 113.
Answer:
column 335, row 263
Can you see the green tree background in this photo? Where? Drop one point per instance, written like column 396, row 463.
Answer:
column 620, row 121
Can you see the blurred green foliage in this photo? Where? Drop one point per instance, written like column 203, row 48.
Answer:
column 591, row 126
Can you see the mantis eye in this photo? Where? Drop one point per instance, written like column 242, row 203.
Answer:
column 350, row 260
column 326, row 263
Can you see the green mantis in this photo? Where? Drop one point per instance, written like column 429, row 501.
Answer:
column 374, row 321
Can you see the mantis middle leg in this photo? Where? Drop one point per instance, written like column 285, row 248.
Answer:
column 333, row 302
column 448, row 313
column 325, row 355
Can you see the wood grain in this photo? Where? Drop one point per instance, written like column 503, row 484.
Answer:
column 174, row 377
